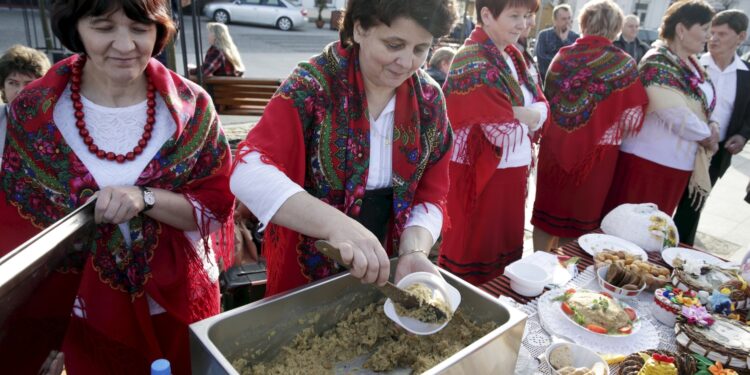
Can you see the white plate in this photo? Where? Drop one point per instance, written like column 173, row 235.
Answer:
column 636, row 322
column 669, row 255
column 593, row 243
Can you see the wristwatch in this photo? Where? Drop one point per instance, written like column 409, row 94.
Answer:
column 148, row 198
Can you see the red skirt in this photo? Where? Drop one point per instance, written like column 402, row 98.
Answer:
column 638, row 180
column 568, row 208
column 482, row 242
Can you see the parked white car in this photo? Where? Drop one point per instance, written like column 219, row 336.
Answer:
column 283, row 14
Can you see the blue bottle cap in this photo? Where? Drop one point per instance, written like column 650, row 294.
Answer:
column 161, row 367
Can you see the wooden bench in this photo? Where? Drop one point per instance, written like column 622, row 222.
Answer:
column 241, row 96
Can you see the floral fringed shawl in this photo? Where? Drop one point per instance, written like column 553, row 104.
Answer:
column 481, row 92
column 674, row 83
column 596, row 99
column 316, row 130
column 42, row 180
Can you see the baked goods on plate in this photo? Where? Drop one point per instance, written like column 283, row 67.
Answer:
column 726, row 341
column 657, row 362
column 668, row 303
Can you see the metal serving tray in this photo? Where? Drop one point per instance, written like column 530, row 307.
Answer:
column 263, row 327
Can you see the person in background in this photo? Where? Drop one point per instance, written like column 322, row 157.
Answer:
column 364, row 161
column 19, row 66
column 523, row 46
column 674, row 147
column 550, row 40
column 731, row 76
column 222, row 58
column 440, row 64
column 114, row 123
column 596, row 99
column 628, row 40
column 494, row 106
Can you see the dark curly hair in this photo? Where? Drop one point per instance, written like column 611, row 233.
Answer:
column 687, row 12
column 67, row 13
column 22, row 60
column 436, row 16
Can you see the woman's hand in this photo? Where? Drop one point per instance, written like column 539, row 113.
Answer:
column 735, row 144
column 118, row 204
column 414, row 262
column 711, row 143
column 527, row 116
column 360, row 250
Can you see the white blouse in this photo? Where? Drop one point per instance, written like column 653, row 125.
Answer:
column 263, row 188
column 516, row 147
column 119, row 130
column 670, row 136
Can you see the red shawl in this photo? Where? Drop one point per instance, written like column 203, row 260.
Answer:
column 316, row 130
column 42, row 180
column 480, row 93
column 593, row 88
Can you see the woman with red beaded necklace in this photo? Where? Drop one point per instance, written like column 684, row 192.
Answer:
column 494, row 106
column 113, row 123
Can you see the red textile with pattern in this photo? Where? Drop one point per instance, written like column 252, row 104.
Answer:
column 43, row 180
column 316, row 130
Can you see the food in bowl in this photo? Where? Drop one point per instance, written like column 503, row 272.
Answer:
column 569, row 359
column 654, row 275
column 613, row 283
column 598, row 312
column 427, row 297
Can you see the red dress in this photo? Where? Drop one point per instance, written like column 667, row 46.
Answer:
column 486, row 204
column 316, row 131
column 596, row 99
column 112, row 330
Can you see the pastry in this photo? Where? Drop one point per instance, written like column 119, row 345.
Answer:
column 668, row 303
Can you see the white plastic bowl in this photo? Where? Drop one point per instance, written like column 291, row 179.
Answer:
column 527, row 279
column 580, row 357
column 439, row 288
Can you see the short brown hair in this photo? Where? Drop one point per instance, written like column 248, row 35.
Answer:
column 686, row 12
column 440, row 55
column 23, row 60
column 67, row 13
column 601, row 18
column 436, row 16
column 498, row 6
column 735, row 19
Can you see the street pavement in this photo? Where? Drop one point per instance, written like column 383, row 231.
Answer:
column 269, row 53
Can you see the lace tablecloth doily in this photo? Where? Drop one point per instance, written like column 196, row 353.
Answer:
column 536, row 339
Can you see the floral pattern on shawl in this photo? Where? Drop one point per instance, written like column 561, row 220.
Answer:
column 576, row 84
column 328, row 94
column 45, row 180
column 665, row 68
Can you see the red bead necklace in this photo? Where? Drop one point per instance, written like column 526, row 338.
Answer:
column 75, row 97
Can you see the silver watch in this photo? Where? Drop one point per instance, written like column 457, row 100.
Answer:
column 149, row 198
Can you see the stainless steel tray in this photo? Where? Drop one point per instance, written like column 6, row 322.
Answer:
column 263, row 327
column 25, row 267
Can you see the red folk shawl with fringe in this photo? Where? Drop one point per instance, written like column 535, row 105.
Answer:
column 594, row 93
column 480, row 93
column 42, row 180
column 316, row 130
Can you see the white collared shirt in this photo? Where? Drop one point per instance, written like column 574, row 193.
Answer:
column 725, row 82
column 263, row 188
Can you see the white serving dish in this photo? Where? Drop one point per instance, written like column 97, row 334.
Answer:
column 601, row 275
column 439, row 288
column 580, row 356
column 527, row 279
column 593, row 243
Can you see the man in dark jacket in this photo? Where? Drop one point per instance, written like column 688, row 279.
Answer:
column 731, row 76
column 628, row 40
column 440, row 64
column 550, row 40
